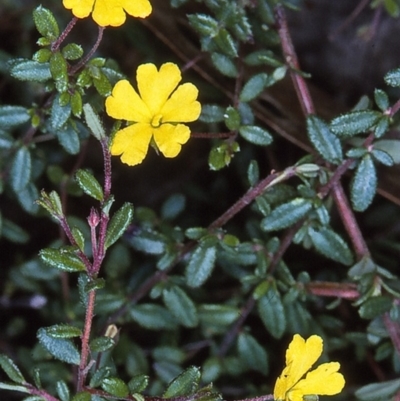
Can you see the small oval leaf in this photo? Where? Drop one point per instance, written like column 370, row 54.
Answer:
column 323, row 140
column 89, row 184
column 61, row 349
column 363, row 185
column 63, row 260
column 201, row 264
column 11, row 369
column 181, row 306
column 118, row 224
column 354, row 123
column 185, row 384
column 287, row 214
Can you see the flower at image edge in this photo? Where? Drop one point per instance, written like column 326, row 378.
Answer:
column 156, row 112
column 108, row 12
column 300, row 356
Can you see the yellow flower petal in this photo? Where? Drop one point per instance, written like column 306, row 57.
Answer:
column 132, row 143
column 80, row 8
column 182, row 105
column 137, row 8
column 324, row 380
column 154, row 86
column 169, row 138
column 125, row 104
column 300, row 356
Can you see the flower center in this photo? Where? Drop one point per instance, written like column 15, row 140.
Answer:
column 156, row 121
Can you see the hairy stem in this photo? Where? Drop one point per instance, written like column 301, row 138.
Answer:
column 82, row 372
column 93, row 50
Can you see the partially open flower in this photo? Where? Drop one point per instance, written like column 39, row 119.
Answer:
column 108, row 12
column 300, row 356
column 156, row 110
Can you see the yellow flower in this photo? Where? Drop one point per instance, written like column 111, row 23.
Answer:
column 156, row 112
column 300, row 356
column 108, row 12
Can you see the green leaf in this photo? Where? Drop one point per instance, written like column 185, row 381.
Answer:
column 72, row 51
column 63, row 331
column 201, row 264
column 331, row 245
column 76, row 103
column 255, row 135
column 89, row 184
column 204, row 24
column 323, row 140
column 217, row 315
column 45, row 23
column 212, row 113
column 102, row 84
column 63, row 390
column 118, row 224
column 61, row 349
column 391, row 147
column 13, row 232
column 378, row 391
column 42, row 55
column 99, row 375
column 69, row 138
column 138, row 383
column 59, row 116
column 101, row 344
column 382, row 157
column 59, row 71
column 173, row 206
column 28, row 70
column 27, row 198
column 253, row 173
column 11, row 369
column 78, row 237
column 363, row 185
column 224, row 65
column 381, row 99
column 272, row 314
column 93, row 122
column 153, row 317
column 252, row 353
column 82, row 396
column 253, row 87
column 286, row 215
column 232, row 118
column 375, row 306
column 185, row 384
column 13, row 387
column 226, row 43
column 115, row 387
column 12, row 116
column 62, row 260
column 382, row 126
column 21, row 167
column 181, row 306
column 148, row 241
column 221, row 155
column 392, row 78
column 356, row 122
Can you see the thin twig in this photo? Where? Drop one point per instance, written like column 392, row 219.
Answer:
column 349, row 221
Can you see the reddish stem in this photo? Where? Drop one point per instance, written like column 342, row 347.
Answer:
column 85, row 59
column 56, row 45
column 85, row 340
column 299, row 83
column 249, row 196
column 349, row 221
